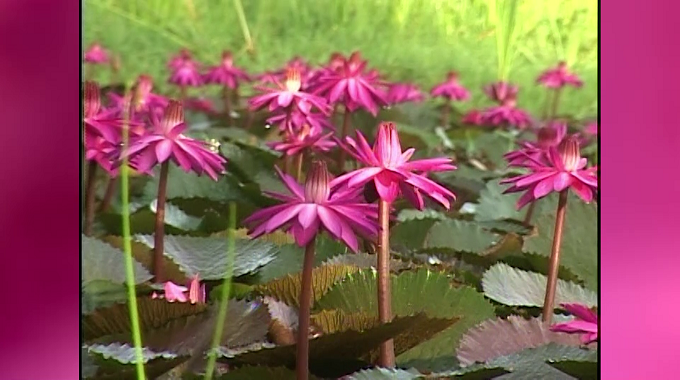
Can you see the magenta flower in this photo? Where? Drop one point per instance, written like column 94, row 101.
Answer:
column 559, row 77
column 286, row 95
column 165, row 141
column 296, row 119
column 352, row 86
column 178, row 60
column 102, row 151
column 585, row 323
column 185, row 73
column 548, row 136
column 473, row 117
column 404, row 92
column 200, row 105
column 591, row 129
column 305, row 138
column 562, row 168
column 101, row 122
column 316, row 207
column 506, row 112
column 96, row 54
column 226, row 73
column 177, row 293
column 145, row 102
column 392, row 172
column 451, row 89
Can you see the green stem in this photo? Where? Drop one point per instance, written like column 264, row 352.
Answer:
column 556, row 101
column 244, row 26
column 129, row 267
column 224, row 300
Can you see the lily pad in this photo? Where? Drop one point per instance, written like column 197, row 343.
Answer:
column 207, row 256
column 423, row 290
column 103, row 262
column 460, row 235
column 579, row 250
column 531, row 363
column 116, row 361
column 514, row 287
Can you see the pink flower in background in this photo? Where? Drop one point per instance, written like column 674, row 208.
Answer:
column 562, row 168
column 473, row 117
column 165, row 141
column 585, row 322
column 451, row 89
column 145, row 102
column 96, row 54
column 226, row 73
column 286, row 95
column 102, row 151
column 186, row 73
column 392, row 172
column 548, row 136
column 352, row 86
column 559, row 77
column 404, row 92
column 335, row 62
column 177, row 293
column 592, row 129
column 200, row 105
column 178, row 60
column 305, row 138
column 296, row 119
column 316, row 207
column 101, row 122
column 506, row 112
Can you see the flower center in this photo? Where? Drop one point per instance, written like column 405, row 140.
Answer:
column 570, row 153
column 92, row 102
column 174, row 115
column 316, row 185
column 293, row 80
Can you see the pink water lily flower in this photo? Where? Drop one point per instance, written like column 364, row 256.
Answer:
column 96, row 54
column 473, row 117
column 144, row 101
column 351, row 85
column 562, row 168
column 186, row 73
column 558, row 77
column 200, row 105
column 177, row 293
column 286, row 95
column 226, row 73
column 451, row 89
column 392, row 171
column 550, row 135
column 305, row 138
column 404, row 92
column 585, row 322
column 178, row 60
column 102, row 122
column 506, row 112
column 165, row 141
column 317, row 206
column 102, row 151
column 295, row 119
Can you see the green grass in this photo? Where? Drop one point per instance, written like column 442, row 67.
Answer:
column 416, row 40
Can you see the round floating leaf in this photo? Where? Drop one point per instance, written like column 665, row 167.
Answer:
column 582, row 369
column 413, row 292
column 255, row 373
column 174, row 216
column 348, row 337
column 99, row 294
column 514, row 287
column 287, row 288
column 385, row 374
column 153, row 313
column 410, row 236
column 365, row 261
column 531, row 363
column 413, row 214
column 103, row 262
column 144, row 254
column 116, row 361
column 501, row 337
column 460, row 235
column 207, row 256
column 579, row 251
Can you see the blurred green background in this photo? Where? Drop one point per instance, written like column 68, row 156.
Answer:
column 409, row 40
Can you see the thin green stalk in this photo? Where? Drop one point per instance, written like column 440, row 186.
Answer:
column 226, row 290
column 129, row 267
column 244, row 25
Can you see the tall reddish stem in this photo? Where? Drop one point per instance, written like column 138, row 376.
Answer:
column 160, row 223
column 298, row 166
column 530, row 212
column 556, row 102
column 91, row 176
column 226, row 96
column 302, row 356
column 446, row 110
column 346, row 121
column 386, row 358
column 183, row 93
column 108, row 195
column 554, row 263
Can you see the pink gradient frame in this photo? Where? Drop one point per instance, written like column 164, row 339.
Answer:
column 640, row 188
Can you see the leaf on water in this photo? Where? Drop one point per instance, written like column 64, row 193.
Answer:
column 153, row 313
column 413, row 292
column 501, row 337
column 579, row 250
column 514, row 287
column 116, row 361
column 277, row 237
column 410, row 236
column 582, row 369
column 103, row 262
column 287, row 288
column 255, row 373
column 348, row 338
column 385, row 374
column 207, row 256
column 365, row 261
column 414, row 214
column 174, row 216
column 460, row 235
column 531, row 363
